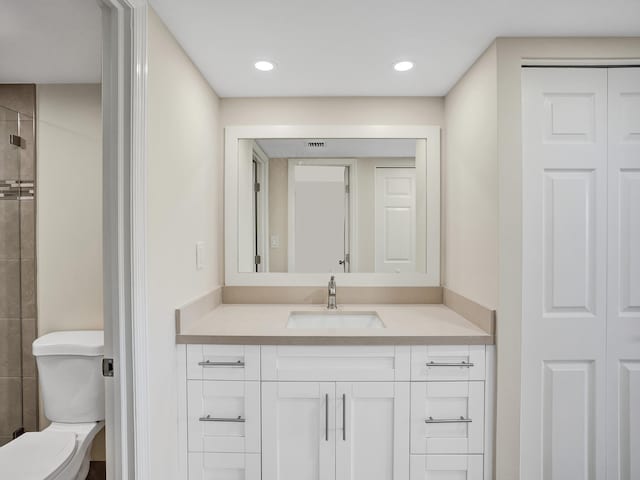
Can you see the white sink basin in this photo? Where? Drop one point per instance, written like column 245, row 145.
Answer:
column 334, row 320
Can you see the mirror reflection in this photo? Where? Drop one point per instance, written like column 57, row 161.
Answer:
column 332, row 205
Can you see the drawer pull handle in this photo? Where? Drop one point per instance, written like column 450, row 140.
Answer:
column 209, row 418
column 448, row 420
column 447, row 364
column 209, row 363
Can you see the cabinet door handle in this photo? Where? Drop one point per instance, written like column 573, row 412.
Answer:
column 209, row 363
column 448, row 420
column 344, row 417
column 209, row 418
column 326, row 417
column 449, row 364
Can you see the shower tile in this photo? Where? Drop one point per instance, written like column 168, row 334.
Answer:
column 4, row 440
column 10, row 288
column 27, row 229
column 28, row 336
column 28, row 288
column 10, row 347
column 27, row 152
column 9, row 230
column 30, row 403
column 20, row 97
column 10, row 405
column 10, row 154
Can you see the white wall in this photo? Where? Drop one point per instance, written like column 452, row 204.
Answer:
column 184, row 206
column 470, row 184
column 69, row 211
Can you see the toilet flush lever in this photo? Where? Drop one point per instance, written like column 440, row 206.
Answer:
column 107, row 367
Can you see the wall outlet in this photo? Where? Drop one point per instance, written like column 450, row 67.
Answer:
column 275, row 241
column 199, row 255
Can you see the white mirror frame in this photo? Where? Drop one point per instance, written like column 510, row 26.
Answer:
column 430, row 278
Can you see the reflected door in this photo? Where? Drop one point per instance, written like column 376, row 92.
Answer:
column 395, row 220
column 320, row 216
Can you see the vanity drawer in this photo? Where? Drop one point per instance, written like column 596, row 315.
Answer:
column 227, row 466
column 335, row 363
column 446, row 467
column 223, row 416
column 223, row 362
column 445, row 362
column 447, row 417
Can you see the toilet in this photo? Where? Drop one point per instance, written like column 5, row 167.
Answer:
column 72, row 389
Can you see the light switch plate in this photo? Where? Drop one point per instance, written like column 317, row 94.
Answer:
column 199, row 255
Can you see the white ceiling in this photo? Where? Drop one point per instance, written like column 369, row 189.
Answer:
column 338, row 147
column 324, row 47
column 348, row 47
column 50, row 41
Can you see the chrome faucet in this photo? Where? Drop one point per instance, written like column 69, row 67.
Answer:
column 331, row 301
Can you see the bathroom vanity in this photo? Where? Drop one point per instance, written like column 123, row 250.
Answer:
column 262, row 397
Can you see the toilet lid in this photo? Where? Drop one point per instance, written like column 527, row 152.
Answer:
column 37, row 455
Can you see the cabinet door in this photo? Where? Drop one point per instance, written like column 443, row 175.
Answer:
column 623, row 288
column 298, row 431
column 447, row 417
column 446, row 467
column 227, row 466
column 372, row 431
column 223, row 416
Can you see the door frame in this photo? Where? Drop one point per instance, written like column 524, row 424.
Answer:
column 124, row 85
column 262, row 160
column 291, row 196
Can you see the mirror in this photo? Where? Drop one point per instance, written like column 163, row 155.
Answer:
column 332, row 205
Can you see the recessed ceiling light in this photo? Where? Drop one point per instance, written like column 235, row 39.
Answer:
column 403, row 66
column 264, row 66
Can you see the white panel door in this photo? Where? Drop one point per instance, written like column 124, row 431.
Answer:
column 298, row 431
column 372, row 431
column 447, row 467
column 395, row 220
column 447, row 417
column 564, row 273
column 623, row 303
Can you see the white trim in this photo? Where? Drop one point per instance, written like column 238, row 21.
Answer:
column 291, row 204
column 580, row 62
column 429, row 132
column 124, row 226
column 263, row 161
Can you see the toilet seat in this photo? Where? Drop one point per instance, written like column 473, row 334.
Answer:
column 37, row 455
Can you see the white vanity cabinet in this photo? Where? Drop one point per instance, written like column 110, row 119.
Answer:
column 337, row 412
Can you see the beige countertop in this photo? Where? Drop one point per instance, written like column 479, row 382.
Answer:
column 266, row 325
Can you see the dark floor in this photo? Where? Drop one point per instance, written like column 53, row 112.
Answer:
column 97, row 471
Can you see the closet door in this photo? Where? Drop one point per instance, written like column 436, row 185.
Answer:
column 623, row 303
column 564, row 273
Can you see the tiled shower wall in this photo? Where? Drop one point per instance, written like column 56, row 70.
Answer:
column 18, row 381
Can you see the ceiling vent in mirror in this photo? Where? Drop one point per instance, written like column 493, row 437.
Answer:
column 316, row 144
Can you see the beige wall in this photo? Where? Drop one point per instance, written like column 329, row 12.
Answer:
column 278, row 213
column 69, row 212
column 470, row 184
column 510, row 52
column 333, row 110
column 69, row 207
column 184, row 206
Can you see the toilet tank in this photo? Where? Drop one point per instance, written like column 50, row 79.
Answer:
column 70, row 375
